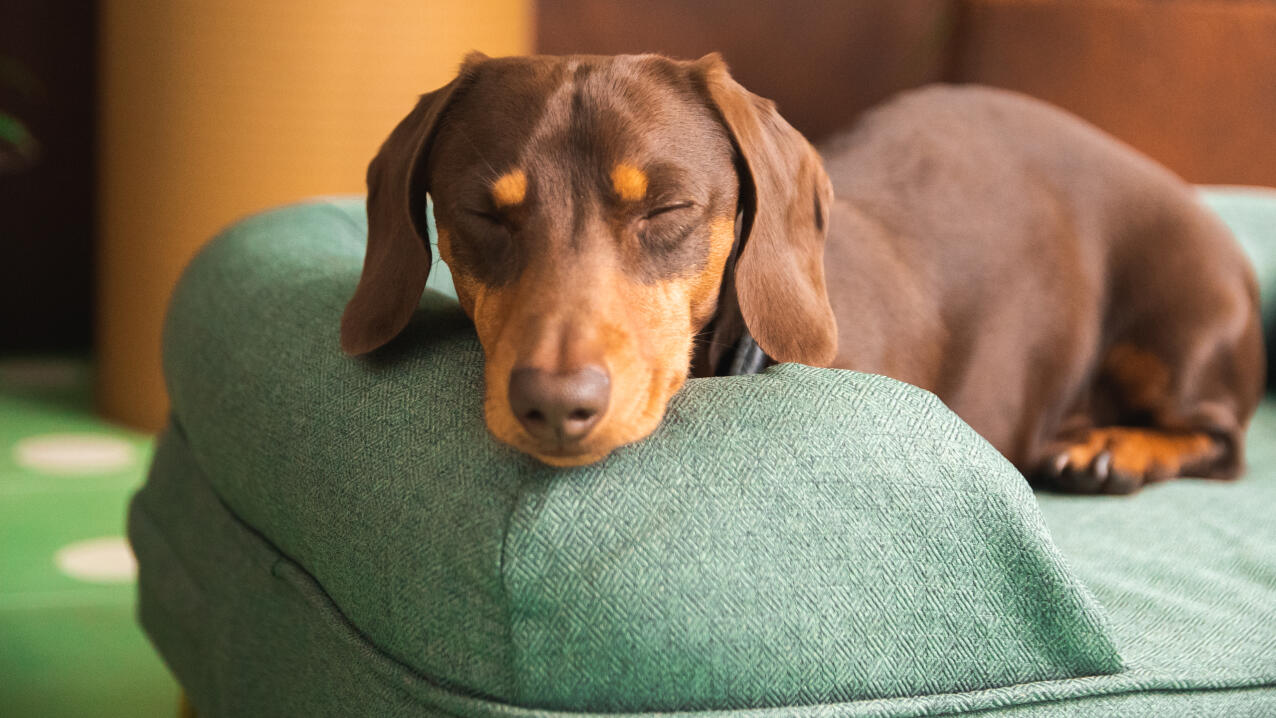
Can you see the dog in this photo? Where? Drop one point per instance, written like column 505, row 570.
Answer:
column 616, row 224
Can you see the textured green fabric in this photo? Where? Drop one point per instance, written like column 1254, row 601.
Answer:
column 343, row 538
column 1251, row 214
column 801, row 537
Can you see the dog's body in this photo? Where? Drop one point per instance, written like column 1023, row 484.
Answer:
column 1044, row 280
column 1064, row 295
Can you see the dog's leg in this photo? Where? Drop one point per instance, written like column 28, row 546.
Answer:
column 1148, row 420
column 1121, row 459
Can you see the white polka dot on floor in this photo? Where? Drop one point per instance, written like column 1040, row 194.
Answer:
column 74, row 453
column 101, row 560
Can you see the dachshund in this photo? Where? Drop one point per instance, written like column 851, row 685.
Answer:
column 617, row 224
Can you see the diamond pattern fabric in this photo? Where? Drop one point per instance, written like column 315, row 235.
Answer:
column 343, row 536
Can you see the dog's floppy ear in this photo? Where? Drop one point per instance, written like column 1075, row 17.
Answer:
column 397, row 262
column 785, row 197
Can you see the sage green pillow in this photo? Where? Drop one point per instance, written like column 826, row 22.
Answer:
column 799, row 537
column 1250, row 212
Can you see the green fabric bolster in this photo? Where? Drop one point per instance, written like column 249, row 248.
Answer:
column 343, row 537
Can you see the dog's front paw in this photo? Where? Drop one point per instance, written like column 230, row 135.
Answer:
column 1120, row 460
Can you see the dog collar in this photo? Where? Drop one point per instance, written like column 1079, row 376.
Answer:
column 749, row 357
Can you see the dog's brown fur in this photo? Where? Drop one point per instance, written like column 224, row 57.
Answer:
column 1067, row 297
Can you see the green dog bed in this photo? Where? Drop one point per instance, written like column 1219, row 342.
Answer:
column 324, row 536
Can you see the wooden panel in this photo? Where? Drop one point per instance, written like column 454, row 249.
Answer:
column 1191, row 83
column 822, row 61
column 216, row 108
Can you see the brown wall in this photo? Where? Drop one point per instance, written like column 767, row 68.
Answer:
column 822, row 61
column 211, row 109
column 1191, row 82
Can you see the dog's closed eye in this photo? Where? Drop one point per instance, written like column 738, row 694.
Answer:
column 667, row 225
column 491, row 222
column 494, row 218
column 666, row 209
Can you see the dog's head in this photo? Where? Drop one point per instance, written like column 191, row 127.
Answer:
column 587, row 207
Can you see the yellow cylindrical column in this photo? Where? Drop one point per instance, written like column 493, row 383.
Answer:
column 211, row 109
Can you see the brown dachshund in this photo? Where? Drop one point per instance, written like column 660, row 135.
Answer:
column 616, row 223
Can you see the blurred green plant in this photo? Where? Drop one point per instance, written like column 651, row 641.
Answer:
column 18, row 147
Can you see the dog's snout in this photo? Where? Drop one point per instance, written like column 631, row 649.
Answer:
column 559, row 407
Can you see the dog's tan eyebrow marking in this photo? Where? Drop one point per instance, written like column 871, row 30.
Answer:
column 629, row 182
column 510, row 188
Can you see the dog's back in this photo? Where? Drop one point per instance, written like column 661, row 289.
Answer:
column 987, row 244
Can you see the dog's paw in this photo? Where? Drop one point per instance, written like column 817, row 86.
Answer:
column 1120, row 460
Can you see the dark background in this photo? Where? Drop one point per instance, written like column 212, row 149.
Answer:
column 1190, row 82
column 47, row 72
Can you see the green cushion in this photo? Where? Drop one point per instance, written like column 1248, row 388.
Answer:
column 1250, row 212
column 341, row 537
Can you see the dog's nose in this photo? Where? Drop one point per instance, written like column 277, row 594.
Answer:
column 559, row 407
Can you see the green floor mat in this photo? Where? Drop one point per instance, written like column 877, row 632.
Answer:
column 69, row 642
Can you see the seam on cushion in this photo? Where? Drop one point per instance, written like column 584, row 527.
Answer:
column 380, row 663
column 152, row 524
column 277, row 568
column 152, row 517
column 141, row 516
column 1099, row 696
column 285, row 569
